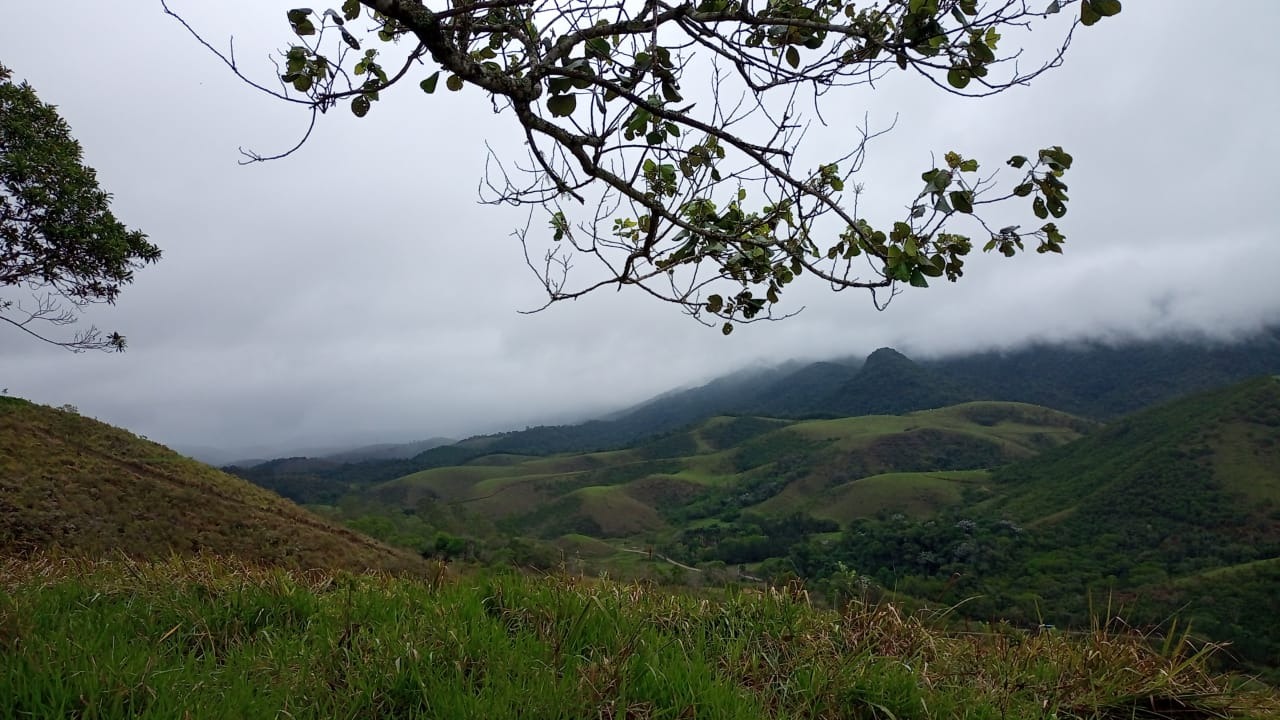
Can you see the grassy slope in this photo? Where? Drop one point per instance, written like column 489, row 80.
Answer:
column 626, row 492
column 1208, row 459
column 1178, row 507
column 86, row 487
column 210, row 640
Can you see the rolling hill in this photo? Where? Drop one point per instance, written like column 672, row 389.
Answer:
column 81, row 486
column 832, row 469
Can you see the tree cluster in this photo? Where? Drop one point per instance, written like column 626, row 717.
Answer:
column 61, row 248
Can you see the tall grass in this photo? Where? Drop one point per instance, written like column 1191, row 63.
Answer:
column 211, row 638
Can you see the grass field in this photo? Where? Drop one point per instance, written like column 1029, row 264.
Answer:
column 210, row 639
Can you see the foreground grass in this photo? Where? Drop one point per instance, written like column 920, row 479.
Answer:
column 211, row 638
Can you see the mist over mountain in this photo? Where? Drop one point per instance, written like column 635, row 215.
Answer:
column 1094, row 380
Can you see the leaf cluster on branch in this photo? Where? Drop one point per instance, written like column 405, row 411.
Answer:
column 664, row 138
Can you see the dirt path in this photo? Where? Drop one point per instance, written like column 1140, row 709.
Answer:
column 661, row 557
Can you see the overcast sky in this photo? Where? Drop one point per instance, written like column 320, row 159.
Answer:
column 357, row 291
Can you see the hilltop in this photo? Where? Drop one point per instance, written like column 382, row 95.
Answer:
column 87, row 488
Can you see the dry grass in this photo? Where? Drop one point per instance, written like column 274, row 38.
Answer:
column 73, row 483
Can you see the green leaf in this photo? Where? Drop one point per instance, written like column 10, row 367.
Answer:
column 1018, row 161
column 301, row 22
column 962, row 201
column 1023, row 190
column 348, row 38
column 429, row 85
column 562, row 105
column 969, row 166
column 598, row 47
column 1088, row 15
column 1038, row 207
column 793, row 57
column 360, row 105
column 351, row 9
column 302, row 83
column 1056, row 207
column 454, row 83
column 715, row 303
column 727, row 328
column 1106, row 8
column 918, row 280
column 1057, row 155
column 958, row 78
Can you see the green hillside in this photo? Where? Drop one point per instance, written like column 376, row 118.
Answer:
column 1174, row 511
column 1191, row 485
column 87, row 488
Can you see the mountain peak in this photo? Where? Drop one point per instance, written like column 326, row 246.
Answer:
column 886, row 355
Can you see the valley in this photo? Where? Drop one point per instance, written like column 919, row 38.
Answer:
column 1013, row 512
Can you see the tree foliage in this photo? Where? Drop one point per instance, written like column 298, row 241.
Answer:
column 59, row 241
column 664, row 138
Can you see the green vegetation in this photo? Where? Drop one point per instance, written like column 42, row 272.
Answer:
column 85, row 487
column 206, row 638
column 1169, row 512
column 1141, row 513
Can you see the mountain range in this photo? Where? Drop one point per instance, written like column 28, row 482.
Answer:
column 1094, row 380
